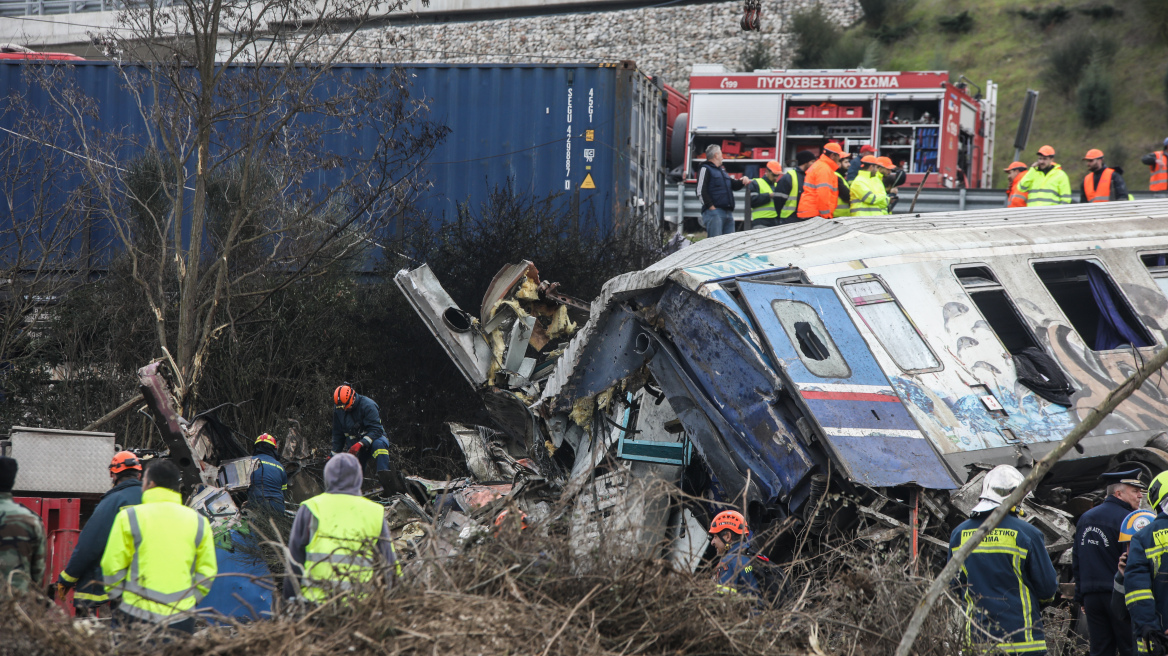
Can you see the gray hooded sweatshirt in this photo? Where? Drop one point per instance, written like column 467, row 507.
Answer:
column 342, row 475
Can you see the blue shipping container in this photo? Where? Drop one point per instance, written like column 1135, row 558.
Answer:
column 592, row 133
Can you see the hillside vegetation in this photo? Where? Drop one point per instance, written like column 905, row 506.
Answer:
column 1052, row 47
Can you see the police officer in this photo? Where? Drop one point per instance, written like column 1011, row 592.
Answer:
column 84, row 568
column 1009, row 577
column 269, row 482
column 1095, row 560
column 22, row 539
column 357, row 427
column 1146, row 592
column 734, row 573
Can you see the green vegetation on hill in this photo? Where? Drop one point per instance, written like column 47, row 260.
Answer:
column 1011, row 43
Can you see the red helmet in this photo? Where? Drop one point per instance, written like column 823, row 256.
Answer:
column 124, row 460
column 502, row 517
column 267, row 439
column 344, row 396
column 728, row 520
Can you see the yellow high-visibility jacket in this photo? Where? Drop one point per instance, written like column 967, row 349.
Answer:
column 160, row 557
column 1043, row 189
column 869, row 198
column 342, row 549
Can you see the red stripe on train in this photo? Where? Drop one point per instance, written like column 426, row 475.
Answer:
column 850, row 396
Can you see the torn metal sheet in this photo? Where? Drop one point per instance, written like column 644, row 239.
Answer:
column 474, row 442
column 454, row 329
column 504, row 283
column 156, row 391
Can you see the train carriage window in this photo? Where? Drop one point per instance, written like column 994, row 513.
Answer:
column 1157, row 264
column 811, row 340
column 996, row 307
column 887, row 320
column 1093, row 304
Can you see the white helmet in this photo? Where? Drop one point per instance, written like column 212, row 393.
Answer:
column 998, row 483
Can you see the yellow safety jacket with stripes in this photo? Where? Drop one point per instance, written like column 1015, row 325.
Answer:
column 843, row 207
column 869, row 198
column 1005, row 582
column 342, row 548
column 1044, row 189
column 160, row 558
column 1146, row 593
column 767, row 211
column 792, row 204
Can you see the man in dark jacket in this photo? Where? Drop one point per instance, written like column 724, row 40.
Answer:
column 1102, row 183
column 84, row 569
column 269, row 482
column 357, row 427
column 855, row 165
column 1095, row 561
column 716, row 189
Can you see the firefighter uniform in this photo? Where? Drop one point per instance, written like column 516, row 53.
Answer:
column 160, row 558
column 735, row 573
column 84, row 568
column 362, row 422
column 1046, row 188
column 269, row 482
column 1145, row 583
column 1007, row 580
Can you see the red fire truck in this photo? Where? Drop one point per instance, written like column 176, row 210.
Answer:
column 922, row 120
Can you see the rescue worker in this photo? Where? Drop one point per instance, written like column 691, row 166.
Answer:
column 1146, row 593
column 501, row 521
column 1095, row 560
column 1009, row 577
column 843, row 205
column 1015, row 172
column 336, row 536
column 22, row 539
column 821, row 189
column 716, row 190
column 1158, row 163
column 84, row 568
column 1102, row 183
column 734, row 573
column 1046, row 183
column 789, row 187
column 1132, row 524
column 160, row 557
column 763, row 213
column 869, row 198
column 896, row 177
column 269, row 482
column 357, row 427
column 856, row 164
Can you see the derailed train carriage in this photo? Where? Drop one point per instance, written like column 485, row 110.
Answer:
column 855, row 373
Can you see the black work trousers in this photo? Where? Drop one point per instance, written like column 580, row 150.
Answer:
column 1109, row 634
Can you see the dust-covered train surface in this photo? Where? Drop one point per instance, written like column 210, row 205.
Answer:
column 852, row 374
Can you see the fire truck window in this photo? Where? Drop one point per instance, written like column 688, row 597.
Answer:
column 884, row 317
column 996, row 307
column 1157, row 264
column 810, row 339
column 1093, row 304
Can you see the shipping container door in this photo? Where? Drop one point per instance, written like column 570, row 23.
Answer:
column 837, row 382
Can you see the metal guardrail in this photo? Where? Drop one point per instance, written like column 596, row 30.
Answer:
column 931, row 200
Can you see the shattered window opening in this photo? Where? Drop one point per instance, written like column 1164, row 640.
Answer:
column 996, row 308
column 1094, row 306
column 888, row 321
column 1157, row 264
column 810, row 338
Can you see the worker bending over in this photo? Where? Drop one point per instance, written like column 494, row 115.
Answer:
column 269, row 482
column 357, row 427
column 1009, row 577
column 160, row 557
column 337, row 536
column 84, row 568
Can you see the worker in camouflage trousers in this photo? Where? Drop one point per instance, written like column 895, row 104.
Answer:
column 1145, row 582
column 22, row 539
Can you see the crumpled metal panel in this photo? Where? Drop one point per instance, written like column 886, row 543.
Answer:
column 469, row 350
column 83, row 469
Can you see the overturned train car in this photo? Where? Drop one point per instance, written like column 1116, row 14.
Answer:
column 851, row 373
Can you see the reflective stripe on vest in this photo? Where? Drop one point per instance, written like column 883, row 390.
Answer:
column 764, row 211
column 172, row 603
column 1017, row 197
column 841, row 209
column 1160, row 172
column 867, row 202
column 340, row 552
column 792, row 203
column 1103, row 193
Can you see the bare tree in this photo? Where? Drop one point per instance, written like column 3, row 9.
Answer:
column 253, row 161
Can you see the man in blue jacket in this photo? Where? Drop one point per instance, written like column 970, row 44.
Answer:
column 1009, row 577
column 357, row 427
column 1145, row 582
column 268, row 479
column 1095, row 561
column 735, row 571
column 84, row 569
column 716, row 190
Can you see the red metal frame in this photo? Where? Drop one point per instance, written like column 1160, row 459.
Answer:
column 62, row 521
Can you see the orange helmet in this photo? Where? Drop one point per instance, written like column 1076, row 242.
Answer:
column 1094, row 153
column 124, row 460
column 344, row 396
column 728, row 520
column 502, row 517
column 1046, row 151
column 267, row 439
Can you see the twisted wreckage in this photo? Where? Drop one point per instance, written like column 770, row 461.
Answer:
column 850, row 375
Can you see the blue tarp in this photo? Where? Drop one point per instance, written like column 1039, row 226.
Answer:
column 243, row 588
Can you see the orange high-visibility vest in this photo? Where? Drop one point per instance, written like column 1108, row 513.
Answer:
column 1103, row 193
column 820, row 191
column 1016, row 195
column 1159, row 172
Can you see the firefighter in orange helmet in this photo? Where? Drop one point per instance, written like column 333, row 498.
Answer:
column 730, row 537
column 357, row 427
